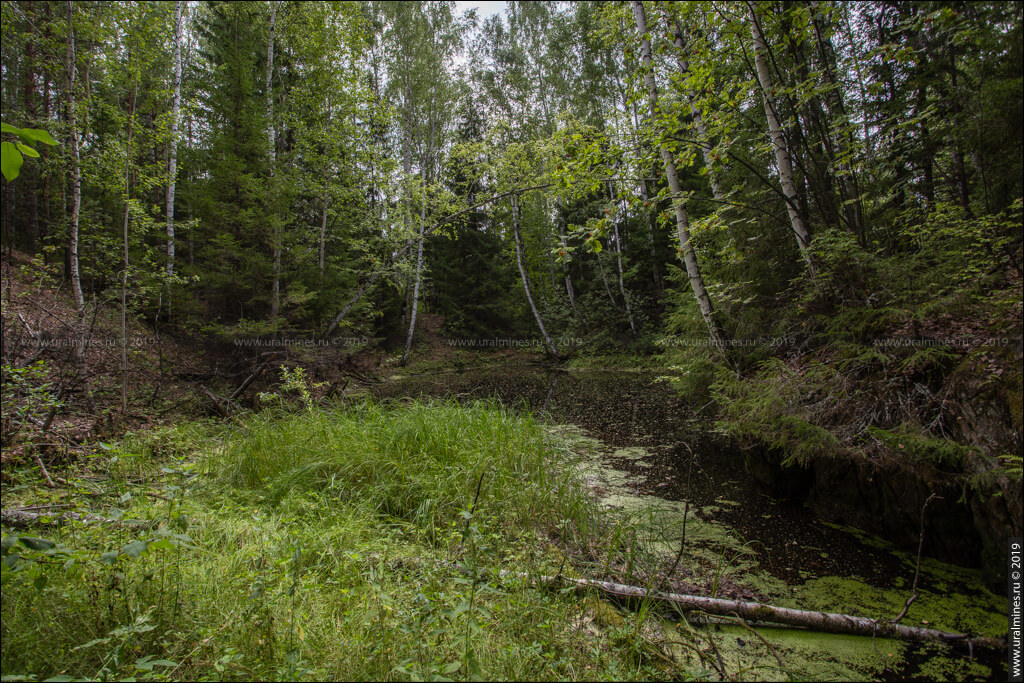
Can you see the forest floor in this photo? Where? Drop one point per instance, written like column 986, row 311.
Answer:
column 283, row 543
column 389, row 542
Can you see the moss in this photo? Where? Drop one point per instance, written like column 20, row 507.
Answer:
column 976, row 614
column 805, row 655
column 715, row 553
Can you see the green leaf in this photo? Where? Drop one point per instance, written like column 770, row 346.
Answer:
column 109, row 557
column 10, row 161
column 135, row 548
column 93, row 643
column 27, row 151
column 148, row 662
column 37, row 543
column 36, row 135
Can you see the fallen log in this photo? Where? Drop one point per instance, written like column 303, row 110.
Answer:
column 249, row 380
column 26, row 518
column 827, row 622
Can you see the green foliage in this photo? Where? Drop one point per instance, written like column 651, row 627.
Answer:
column 918, row 447
column 368, row 555
column 767, row 408
column 29, row 396
column 11, row 158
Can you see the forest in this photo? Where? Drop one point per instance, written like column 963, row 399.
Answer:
column 560, row 341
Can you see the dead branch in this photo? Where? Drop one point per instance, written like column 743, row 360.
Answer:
column 25, row 518
column 249, row 380
column 827, row 622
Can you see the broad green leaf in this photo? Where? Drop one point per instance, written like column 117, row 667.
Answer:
column 27, row 151
column 36, row 135
column 37, row 543
column 10, row 161
column 135, row 548
column 93, row 643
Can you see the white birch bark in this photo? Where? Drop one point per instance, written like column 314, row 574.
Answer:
column 76, row 201
column 172, row 164
column 526, row 280
column 700, row 292
column 683, row 64
column 782, row 160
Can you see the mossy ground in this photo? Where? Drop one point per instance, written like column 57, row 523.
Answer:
column 951, row 598
column 346, row 544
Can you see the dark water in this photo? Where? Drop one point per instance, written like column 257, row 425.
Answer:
column 688, row 461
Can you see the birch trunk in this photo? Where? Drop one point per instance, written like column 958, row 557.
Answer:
column 275, row 289
column 700, row 292
column 683, row 64
column 526, row 280
column 124, row 264
column 172, row 164
column 425, row 168
column 827, row 622
column 416, row 285
column 782, row 160
column 76, row 202
column 618, row 259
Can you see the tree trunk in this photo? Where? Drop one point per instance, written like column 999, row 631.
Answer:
column 618, row 258
column 682, row 63
column 124, row 264
column 416, row 285
column 700, row 292
column 526, row 280
column 352, row 302
column 172, row 164
column 30, row 114
column 275, row 288
column 827, row 622
column 849, row 186
column 76, row 203
column 782, row 160
column 569, row 291
column 321, row 259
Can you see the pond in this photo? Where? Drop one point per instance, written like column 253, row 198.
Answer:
column 642, row 450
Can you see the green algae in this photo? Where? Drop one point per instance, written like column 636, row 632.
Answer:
column 949, row 597
column 971, row 614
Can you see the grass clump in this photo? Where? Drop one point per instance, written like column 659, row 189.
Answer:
column 343, row 544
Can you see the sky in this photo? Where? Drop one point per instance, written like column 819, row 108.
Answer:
column 485, row 9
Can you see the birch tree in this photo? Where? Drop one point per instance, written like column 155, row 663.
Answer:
column 778, row 139
column 172, row 152
column 76, row 196
column 689, row 257
column 275, row 288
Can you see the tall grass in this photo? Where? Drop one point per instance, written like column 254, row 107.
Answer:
column 344, row 544
column 419, row 464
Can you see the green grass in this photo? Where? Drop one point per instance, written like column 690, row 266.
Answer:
column 340, row 544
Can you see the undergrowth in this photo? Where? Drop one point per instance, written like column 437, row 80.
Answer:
column 360, row 543
column 884, row 353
